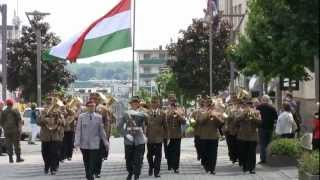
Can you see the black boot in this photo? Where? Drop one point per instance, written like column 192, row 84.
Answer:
column 129, row 177
column 19, row 159
column 150, row 171
column 10, row 159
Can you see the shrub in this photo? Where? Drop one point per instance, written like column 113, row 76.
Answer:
column 115, row 132
column 310, row 162
column 287, row 147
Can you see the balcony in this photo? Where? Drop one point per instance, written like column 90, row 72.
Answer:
column 152, row 61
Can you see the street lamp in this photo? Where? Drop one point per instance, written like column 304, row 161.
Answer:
column 37, row 30
column 3, row 9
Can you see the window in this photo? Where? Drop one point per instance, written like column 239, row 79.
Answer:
column 147, row 70
column 146, row 56
column 147, row 83
column 162, row 55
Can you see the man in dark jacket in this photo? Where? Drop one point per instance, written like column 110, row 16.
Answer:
column 268, row 116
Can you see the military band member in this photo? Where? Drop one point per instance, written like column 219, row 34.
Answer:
column 132, row 126
column 248, row 124
column 108, row 118
column 209, row 121
column 230, row 129
column 51, row 134
column 156, row 131
column 196, row 128
column 175, row 119
column 12, row 123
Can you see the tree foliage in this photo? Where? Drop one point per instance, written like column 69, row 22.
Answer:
column 281, row 38
column 191, row 63
column 167, row 83
column 22, row 63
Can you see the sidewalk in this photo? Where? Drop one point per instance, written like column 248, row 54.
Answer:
column 114, row 167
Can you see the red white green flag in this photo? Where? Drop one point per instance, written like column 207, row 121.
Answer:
column 110, row 32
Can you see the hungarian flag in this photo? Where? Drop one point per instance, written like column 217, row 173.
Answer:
column 110, row 32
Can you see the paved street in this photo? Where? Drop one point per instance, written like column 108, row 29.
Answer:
column 114, row 168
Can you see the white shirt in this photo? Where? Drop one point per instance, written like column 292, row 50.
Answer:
column 285, row 123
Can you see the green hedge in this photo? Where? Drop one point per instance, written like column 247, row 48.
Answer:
column 284, row 146
column 310, row 162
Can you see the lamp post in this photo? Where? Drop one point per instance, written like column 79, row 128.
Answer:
column 3, row 9
column 37, row 30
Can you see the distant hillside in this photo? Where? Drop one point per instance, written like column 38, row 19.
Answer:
column 98, row 70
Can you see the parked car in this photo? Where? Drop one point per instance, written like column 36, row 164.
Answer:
column 26, row 128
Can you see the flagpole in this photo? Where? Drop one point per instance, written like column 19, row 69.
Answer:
column 133, row 43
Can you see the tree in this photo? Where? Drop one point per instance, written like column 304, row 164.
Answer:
column 191, row 63
column 281, row 38
column 167, row 83
column 22, row 64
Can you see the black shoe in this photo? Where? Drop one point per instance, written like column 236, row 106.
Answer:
column 212, row 172
column 150, row 171
column 10, row 159
column 157, row 176
column 46, row 171
column 169, row 168
column 53, row 173
column 129, row 177
column 176, row 171
column 262, row 162
column 19, row 159
column 97, row 176
column 252, row 172
column 69, row 159
column 136, row 177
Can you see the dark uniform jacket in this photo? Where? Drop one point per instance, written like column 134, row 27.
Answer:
column 11, row 121
column 47, row 135
column 156, row 126
column 248, row 126
column 209, row 127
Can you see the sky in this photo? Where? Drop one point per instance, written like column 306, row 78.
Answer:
column 157, row 21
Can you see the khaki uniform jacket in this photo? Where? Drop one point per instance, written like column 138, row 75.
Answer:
column 156, row 126
column 47, row 135
column 196, row 128
column 230, row 123
column 174, row 125
column 209, row 127
column 11, row 121
column 248, row 127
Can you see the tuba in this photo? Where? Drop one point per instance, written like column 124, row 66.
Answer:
column 71, row 108
column 243, row 94
column 52, row 114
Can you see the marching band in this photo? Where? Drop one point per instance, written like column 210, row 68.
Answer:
column 151, row 125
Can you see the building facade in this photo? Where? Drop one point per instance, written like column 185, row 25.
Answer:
column 150, row 64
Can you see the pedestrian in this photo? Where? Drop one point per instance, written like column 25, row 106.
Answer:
column 286, row 125
column 132, row 126
column 89, row 132
column 316, row 132
column 156, row 131
column 248, row 124
column 33, row 123
column 51, row 124
column 268, row 117
column 175, row 120
column 209, row 122
column 1, row 110
column 12, row 124
column 294, row 109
